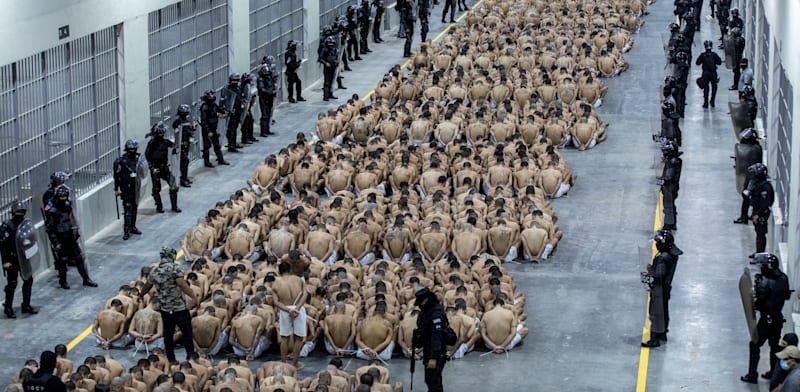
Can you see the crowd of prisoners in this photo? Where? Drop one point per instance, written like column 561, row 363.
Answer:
column 446, row 175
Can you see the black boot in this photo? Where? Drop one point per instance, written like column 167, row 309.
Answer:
column 223, row 162
column 207, row 163
column 173, row 199
column 159, row 205
column 126, row 227
column 126, row 235
column 185, row 183
column 136, row 231
column 62, row 279
column 27, row 308
column 9, row 311
column 741, row 220
column 339, row 83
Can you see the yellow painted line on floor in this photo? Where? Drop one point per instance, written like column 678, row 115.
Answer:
column 644, row 353
column 79, row 338
column 86, row 332
column 438, row 37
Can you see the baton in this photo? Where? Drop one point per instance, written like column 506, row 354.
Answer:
column 116, row 203
column 413, row 362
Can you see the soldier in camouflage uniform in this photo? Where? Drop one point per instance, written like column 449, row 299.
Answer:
column 170, row 285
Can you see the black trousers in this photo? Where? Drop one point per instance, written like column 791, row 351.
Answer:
column 247, row 127
column 769, row 329
column 449, row 5
column 184, row 162
column 376, row 30
column 409, row 31
column 12, row 277
column 233, row 124
column 183, row 320
column 737, row 73
column 670, row 213
column 165, row 175
column 364, row 32
column 293, row 81
column 130, row 209
column 70, row 252
column 433, row 377
column 709, row 83
column 328, row 74
column 209, row 142
column 352, row 45
column 424, row 26
column 265, row 103
column 463, row 4
column 761, row 233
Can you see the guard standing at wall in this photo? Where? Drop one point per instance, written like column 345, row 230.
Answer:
column 670, row 182
column 762, row 195
column 183, row 129
column 660, row 273
column 292, row 63
column 170, row 285
column 352, row 33
column 377, row 10
column 709, row 61
column 424, row 13
column 157, row 155
column 230, row 102
column 209, row 120
column 15, row 264
column 126, row 186
column 329, row 59
column 248, row 92
column 364, row 16
column 266, row 97
column 63, row 231
column 738, row 55
column 429, row 335
column 451, row 6
column 747, row 153
column 723, row 12
column 771, row 292
column 406, row 10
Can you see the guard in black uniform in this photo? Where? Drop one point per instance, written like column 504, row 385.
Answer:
column 748, row 100
column 266, row 98
column 429, row 335
column 209, row 120
column 44, row 380
column 248, row 91
column 157, row 155
column 231, row 103
column 681, row 76
column 11, row 263
column 56, row 179
column 709, row 62
column 451, row 6
column 660, row 273
column 363, row 25
column 292, row 64
column 762, row 195
column 330, row 60
column 126, row 186
column 63, row 231
column 748, row 153
column 738, row 54
column 377, row 9
column 406, row 10
column 184, row 132
column 670, row 183
column 723, row 12
column 424, row 13
column 771, row 292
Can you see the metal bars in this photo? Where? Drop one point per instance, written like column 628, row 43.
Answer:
column 59, row 110
column 273, row 23
column 330, row 9
column 782, row 124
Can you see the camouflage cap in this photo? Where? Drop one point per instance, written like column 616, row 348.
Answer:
column 168, row 253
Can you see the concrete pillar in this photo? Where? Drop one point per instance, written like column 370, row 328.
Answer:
column 239, row 35
column 310, row 71
column 134, row 79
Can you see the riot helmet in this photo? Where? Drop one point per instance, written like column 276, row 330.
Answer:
column 680, row 37
column 682, row 56
column 669, row 149
column 159, row 130
column 131, row 146
column 708, row 44
column 669, row 80
column 662, row 242
column 19, row 207
column 748, row 91
column 58, row 178
column 767, row 260
column 734, row 11
column 264, row 70
column 62, row 193
column 184, row 110
column 291, row 45
column 330, row 42
column 673, row 27
column 736, row 31
column 209, row 96
column 327, row 30
column 667, row 107
column 234, row 78
column 757, row 171
column 748, row 136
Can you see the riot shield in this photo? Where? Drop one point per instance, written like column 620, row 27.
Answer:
column 744, row 155
column 142, row 177
column 27, row 249
column 248, row 96
column 227, row 98
column 645, row 259
column 730, row 47
column 748, row 304
column 740, row 117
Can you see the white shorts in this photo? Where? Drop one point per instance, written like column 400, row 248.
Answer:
column 261, row 346
column 222, row 342
column 289, row 326
column 385, row 355
column 122, row 342
column 462, row 350
column 368, row 259
column 332, row 351
column 308, row 347
column 517, row 339
column 512, row 254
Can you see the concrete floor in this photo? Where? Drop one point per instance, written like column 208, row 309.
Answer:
column 586, row 306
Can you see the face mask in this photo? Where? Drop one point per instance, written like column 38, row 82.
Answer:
column 784, row 364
